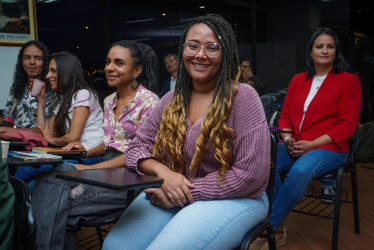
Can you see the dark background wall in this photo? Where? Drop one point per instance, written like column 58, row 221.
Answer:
column 275, row 39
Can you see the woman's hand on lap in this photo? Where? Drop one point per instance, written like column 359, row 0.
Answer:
column 159, row 198
column 177, row 188
column 294, row 149
column 305, row 145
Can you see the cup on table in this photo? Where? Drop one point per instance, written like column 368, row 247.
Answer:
column 5, row 148
column 36, row 87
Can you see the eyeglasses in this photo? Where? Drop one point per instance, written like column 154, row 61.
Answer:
column 191, row 48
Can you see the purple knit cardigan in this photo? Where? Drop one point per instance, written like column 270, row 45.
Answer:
column 247, row 177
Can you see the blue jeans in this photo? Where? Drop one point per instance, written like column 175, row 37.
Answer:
column 28, row 174
column 213, row 224
column 301, row 172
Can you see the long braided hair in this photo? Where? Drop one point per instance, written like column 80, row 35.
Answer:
column 170, row 139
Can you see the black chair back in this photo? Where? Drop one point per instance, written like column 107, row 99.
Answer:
column 273, row 162
column 25, row 227
column 258, row 230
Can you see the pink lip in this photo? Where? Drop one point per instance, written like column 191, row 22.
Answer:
column 111, row 77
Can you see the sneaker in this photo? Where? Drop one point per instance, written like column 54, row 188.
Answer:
column 328, row 195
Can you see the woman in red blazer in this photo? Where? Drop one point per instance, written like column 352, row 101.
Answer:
column 321, row 111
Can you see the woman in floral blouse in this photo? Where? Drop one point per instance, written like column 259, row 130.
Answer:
column 57, row 207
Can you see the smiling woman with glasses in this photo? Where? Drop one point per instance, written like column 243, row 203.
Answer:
column 209, row 141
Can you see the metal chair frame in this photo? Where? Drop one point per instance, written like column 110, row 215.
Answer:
column 104, row 220
column 311, row 204
column 259, row 229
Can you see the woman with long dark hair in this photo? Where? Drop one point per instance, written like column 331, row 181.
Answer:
column 78, row 116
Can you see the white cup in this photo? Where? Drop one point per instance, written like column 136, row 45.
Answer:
column 36, row 87
column 5, row 148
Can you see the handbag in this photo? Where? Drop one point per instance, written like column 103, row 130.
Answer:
column 8, row 120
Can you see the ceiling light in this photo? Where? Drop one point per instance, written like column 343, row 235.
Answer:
column 86, row 27
column 163, row 14
column 202, row 6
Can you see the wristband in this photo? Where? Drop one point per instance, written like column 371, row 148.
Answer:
column 53, row 141
column 285, row 139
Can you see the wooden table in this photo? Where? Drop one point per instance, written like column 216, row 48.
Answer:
column 113, row 178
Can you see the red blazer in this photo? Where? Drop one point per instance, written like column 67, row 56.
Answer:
column 334, row 110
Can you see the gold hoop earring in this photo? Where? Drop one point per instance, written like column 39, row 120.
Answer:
column 134, row 84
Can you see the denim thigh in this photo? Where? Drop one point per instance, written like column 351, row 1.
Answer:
column 302, row 171
column 214, row 224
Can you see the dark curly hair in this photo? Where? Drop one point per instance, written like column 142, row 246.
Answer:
column 20, row 76
column 339, row 64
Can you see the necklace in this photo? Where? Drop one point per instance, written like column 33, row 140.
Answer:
column 318, row 80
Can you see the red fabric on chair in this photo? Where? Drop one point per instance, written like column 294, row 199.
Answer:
column 35, row 140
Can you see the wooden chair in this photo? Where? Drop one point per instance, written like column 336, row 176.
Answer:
column 258, row 230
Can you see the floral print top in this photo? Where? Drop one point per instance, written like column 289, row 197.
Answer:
column 25, row 113
column 118, row 135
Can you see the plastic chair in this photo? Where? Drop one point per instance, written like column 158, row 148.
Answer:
column 25, row 227
column 258, row 230
column 312, row 204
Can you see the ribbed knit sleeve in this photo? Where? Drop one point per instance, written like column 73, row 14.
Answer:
column 141, row 146
column 248, row 176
